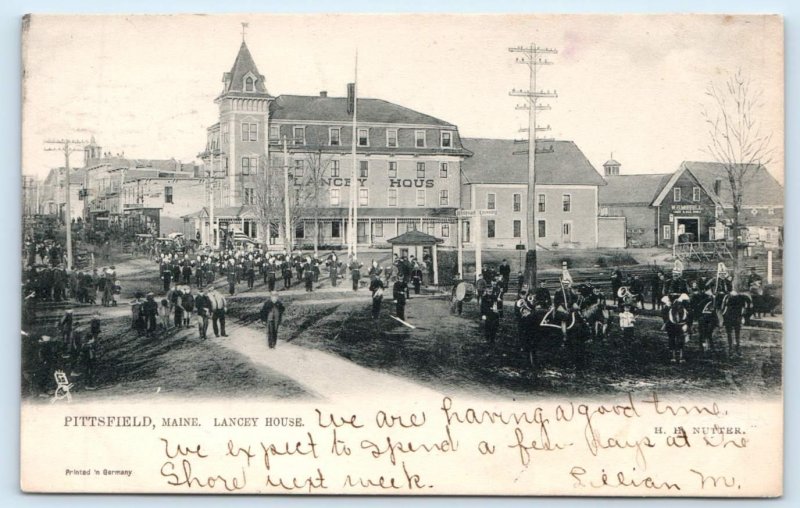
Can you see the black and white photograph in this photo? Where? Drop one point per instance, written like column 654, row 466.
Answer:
column 443, row 226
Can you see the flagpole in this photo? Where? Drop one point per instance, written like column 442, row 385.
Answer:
column 354, row 180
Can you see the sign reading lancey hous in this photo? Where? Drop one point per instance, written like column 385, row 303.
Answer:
column 418, row 183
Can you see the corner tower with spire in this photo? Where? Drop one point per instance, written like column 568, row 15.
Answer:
column 237, row 147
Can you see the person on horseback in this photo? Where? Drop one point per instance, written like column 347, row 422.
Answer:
column 565, row 303
column 594, row 311
column 704, row 307
column 542, row 296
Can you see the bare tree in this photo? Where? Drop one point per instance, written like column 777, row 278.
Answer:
column 736, row 139
column 268, row 208
column 318, row 164
column 270, row 198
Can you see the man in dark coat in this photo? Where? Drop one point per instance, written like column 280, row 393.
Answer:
column 287, row 275
column 703, row 306
column 187, row 272
column 176, row 272
column 272, row 315
column 399, row 290
column 231, row 279
column 505, row 272
column 733, row 306
column 616, row 281
column 355, row 272
column 269, row 275
column 203, row 306
column 542, row 296
column 308, row 278
column 333, row 270
column 376, row 288
column 166, row 276
column 637, row 288
column 656, row 289
column 490, row 315
column 176, row 301
column 187, row 301
column 416, row 277
column 149, row 310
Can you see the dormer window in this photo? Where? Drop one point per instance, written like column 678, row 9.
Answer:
column 447, row 139
column 249, row 82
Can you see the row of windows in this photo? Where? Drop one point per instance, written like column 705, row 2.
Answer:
column 362, row 136
column 516, row 226
column 248, row 198
column 377, row 229
column 676, row 194
column 250, row 166
column 391, row 195
column 566, row 202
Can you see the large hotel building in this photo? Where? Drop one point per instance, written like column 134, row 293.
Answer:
column 408, row 164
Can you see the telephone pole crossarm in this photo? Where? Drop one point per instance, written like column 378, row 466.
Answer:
column 530, row 56
column 64, row 145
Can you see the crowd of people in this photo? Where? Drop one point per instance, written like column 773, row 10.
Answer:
column 576, row 314
column 190, row 294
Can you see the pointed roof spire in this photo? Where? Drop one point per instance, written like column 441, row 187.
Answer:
column 244, row 67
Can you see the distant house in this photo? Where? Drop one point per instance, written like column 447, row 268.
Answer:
column 495, row 178
column 694, row 203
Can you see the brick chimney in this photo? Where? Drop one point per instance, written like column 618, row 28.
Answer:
column 351, row 96
column 323, row 93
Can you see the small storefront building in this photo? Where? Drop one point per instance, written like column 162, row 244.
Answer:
column 687, row 212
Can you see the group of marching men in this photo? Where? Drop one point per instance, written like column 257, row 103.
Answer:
column 179, row 272
column 711, row 303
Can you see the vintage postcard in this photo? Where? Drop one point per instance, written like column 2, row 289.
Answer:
column 403, row 254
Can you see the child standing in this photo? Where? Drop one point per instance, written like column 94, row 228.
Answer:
column 626, row 322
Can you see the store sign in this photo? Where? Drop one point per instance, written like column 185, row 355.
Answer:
column 686, row 208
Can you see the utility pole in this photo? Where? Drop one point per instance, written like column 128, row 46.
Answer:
column 63, row 145
column 287, row 216
column 353, row 232
column 212, row 181
column 531, row 57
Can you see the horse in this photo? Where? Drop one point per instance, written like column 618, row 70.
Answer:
column 760, row 302
column 543, row 330
column 593, row 311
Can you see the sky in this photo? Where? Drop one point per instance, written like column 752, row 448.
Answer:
column 628, row 85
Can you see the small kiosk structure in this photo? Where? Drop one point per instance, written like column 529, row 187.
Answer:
column 418, row 244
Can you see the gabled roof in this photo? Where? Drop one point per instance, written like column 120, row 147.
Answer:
column 243, row 65
column 414, row 238
column 632, row 189
column 760, row 187
column 493, row 161
column 334, row 109
column 673, row 179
